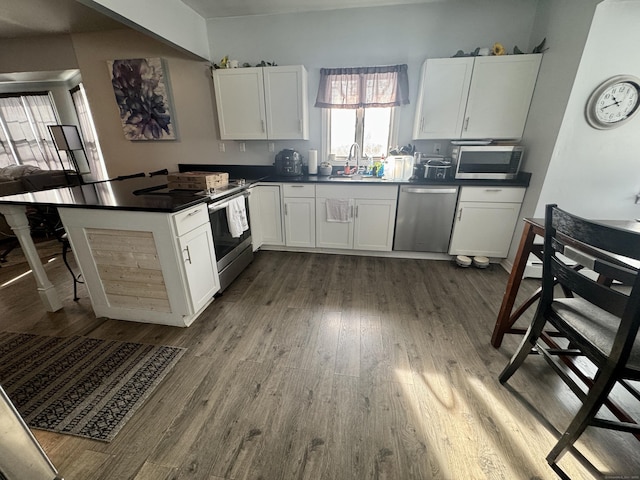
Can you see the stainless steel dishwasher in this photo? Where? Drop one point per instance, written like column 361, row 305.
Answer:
column 425, row 217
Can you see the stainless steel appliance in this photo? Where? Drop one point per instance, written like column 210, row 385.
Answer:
column 491, row 162
column 424, row 218
column 289, row 163
column 233, row 254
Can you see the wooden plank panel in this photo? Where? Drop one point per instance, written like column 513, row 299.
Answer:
column 135, row 289
column 118, row 233
column 155, row 304
column 122, row 243
column 142, row 275
column 123, row 259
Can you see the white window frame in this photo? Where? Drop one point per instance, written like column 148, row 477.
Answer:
column 394, row 129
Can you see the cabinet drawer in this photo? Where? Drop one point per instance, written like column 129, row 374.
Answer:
column 381, row 192
column 492, row 194
column 187, row 220
column 300, row 190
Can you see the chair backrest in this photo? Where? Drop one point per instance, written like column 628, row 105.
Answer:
column 573, row 247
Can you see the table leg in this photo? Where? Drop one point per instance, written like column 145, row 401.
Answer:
column 17, row 220
column 513, row 285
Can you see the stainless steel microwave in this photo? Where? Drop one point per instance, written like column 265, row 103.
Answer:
column 490, row 162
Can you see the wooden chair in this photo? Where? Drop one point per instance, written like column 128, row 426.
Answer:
column 599, row 317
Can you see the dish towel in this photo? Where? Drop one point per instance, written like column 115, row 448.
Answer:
column 237, row 217
column 338, row 210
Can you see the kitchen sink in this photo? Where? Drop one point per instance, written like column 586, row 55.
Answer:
column 355, row 178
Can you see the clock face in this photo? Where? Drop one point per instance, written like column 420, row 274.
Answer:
column 614, row 102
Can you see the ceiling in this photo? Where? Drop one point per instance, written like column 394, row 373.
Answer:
column 30, row 18
column 236, row 8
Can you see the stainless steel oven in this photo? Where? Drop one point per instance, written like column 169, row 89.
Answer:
column 233, row 254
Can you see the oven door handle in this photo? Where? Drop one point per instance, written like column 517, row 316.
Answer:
column 215, row 207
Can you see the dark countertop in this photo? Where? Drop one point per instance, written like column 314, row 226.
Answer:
column 521, row 181
column 148, row 194
column 130, row 194
column 266, row 173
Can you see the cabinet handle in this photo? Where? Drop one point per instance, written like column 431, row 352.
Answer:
column 460, row 214
column 492, row 189
column 262, row 123
column 356, row 211
column 466, row 124
column 286, row 210
column 421, row 123
column 188, row 254
column 296, row 186
column 351, row 211
column 193, row 213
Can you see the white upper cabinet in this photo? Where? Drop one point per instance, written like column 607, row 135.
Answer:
column 442, row 97
column 286, row 101
column 260, row 103
column 475, row 97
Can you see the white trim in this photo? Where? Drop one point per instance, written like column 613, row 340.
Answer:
column 324, row 142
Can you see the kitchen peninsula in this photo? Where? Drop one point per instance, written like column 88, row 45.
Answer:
column 144, row 256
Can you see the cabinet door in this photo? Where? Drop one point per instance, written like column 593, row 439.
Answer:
column 198, row 258
column 500, row 95
column 286, row 102
column 265, row 204
column 373, row 226
column 484, row 228
column 300, row 222
column 332, row 234
column 442, row 98
column 240, row 103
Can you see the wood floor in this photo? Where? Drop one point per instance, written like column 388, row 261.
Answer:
column 315, row 366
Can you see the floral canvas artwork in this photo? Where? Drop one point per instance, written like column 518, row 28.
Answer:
column 142, row 95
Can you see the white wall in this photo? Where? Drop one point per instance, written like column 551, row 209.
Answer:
column 167, row 20
column 365, row 36
column 596, row 173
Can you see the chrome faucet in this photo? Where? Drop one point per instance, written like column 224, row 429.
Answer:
column 357, row 156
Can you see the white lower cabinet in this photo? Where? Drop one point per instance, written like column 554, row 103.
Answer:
column 299, row 215
column 197, row 251
column 265, row 213
column 370, row 222
column 486, row 218
column 145, row 266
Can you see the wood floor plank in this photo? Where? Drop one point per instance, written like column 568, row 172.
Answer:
column 348, row 354
column 152, row 471
column 314, row 366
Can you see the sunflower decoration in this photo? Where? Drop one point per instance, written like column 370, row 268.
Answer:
column 497, row 49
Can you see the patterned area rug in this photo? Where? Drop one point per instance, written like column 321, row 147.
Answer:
column 80, row 386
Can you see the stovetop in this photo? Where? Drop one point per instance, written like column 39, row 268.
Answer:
column 234, row 186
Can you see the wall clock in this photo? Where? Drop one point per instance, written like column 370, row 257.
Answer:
column 614, row 102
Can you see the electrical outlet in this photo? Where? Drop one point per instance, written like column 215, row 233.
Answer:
column 272, row 147
column 243, row 147
column 221, row 146
column 436, row 148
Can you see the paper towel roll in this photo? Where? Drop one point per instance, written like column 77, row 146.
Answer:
column 313, row 162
